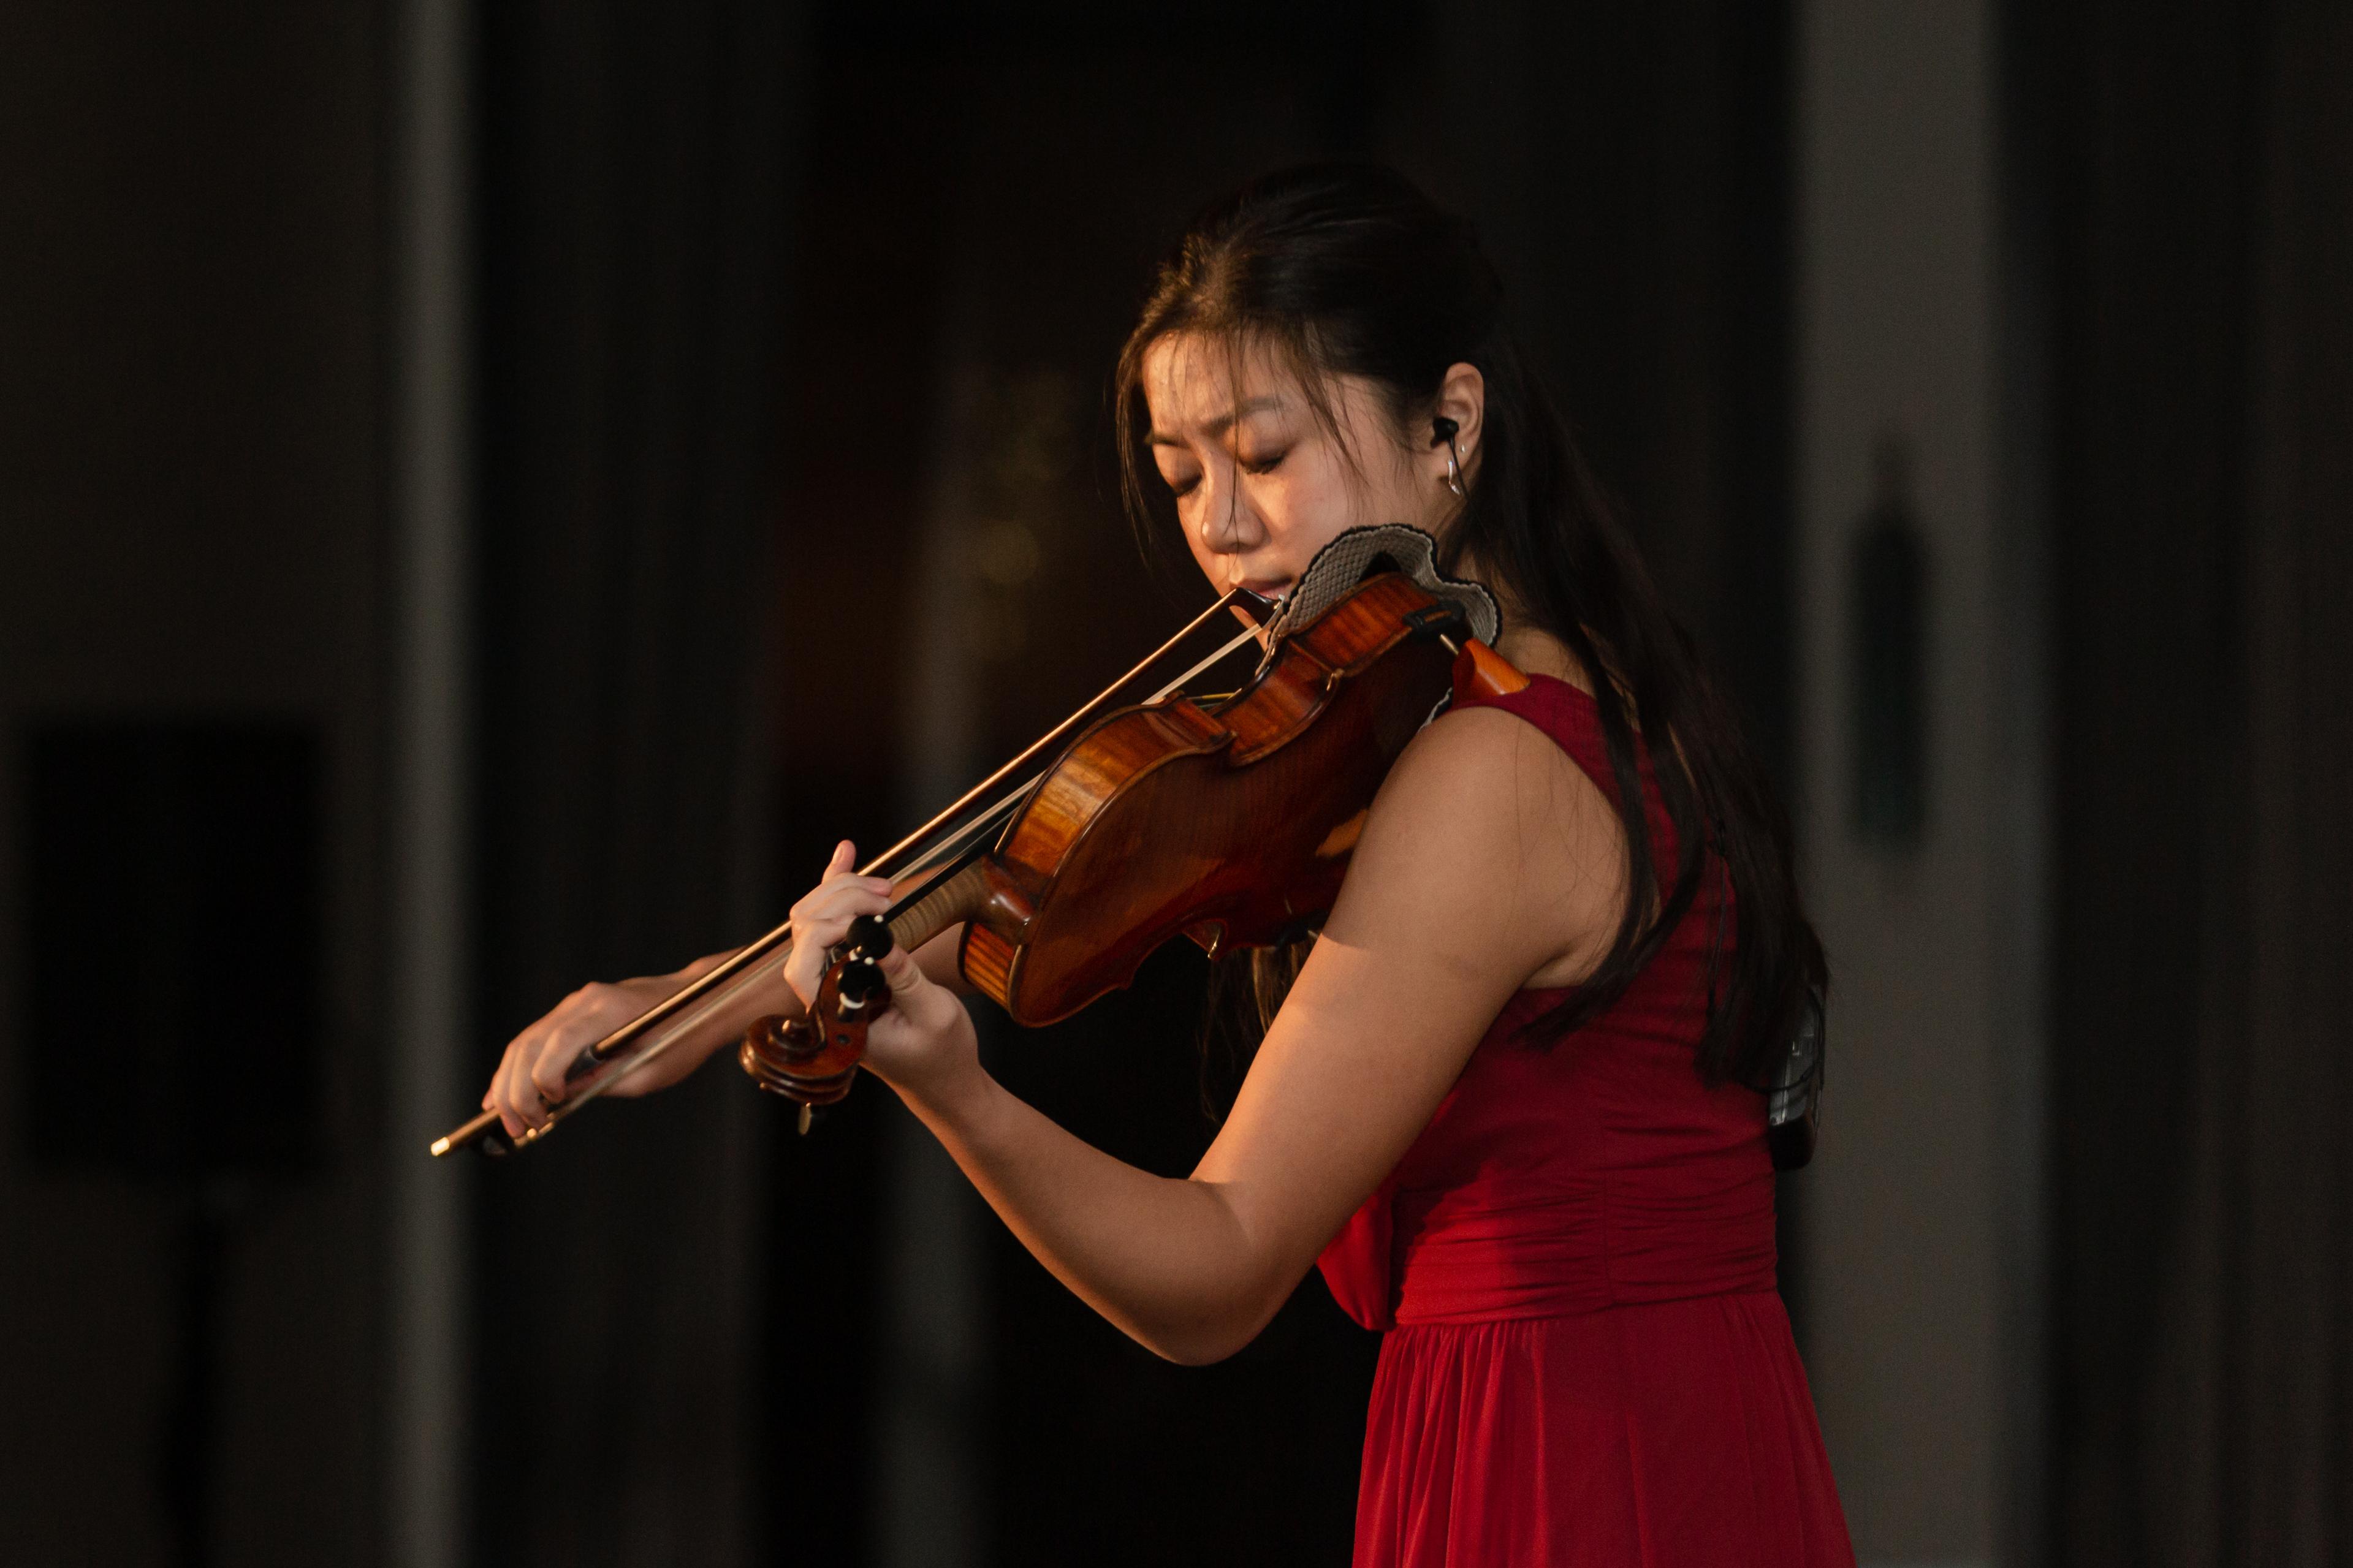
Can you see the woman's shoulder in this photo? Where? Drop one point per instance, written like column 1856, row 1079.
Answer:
column 1493, row 771
column 1485, row 798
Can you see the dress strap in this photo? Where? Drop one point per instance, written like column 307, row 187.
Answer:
column 1571, row 719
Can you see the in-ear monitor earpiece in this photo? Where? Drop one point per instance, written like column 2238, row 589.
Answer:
column 1443, row 432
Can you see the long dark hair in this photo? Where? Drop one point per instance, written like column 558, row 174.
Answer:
column 1349, row 269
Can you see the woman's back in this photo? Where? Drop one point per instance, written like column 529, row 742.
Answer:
column 1588, row 1362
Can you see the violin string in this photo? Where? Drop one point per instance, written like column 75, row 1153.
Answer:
column 951, row 844
column 953, row 840
column 1249, row 635
column 654, row 1048
column 876, row 867
column 740, row 969
column 999, row 810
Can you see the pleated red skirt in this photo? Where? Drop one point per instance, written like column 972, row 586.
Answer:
column 1586, row 1361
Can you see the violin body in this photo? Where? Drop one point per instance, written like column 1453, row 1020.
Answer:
column 1231, row 826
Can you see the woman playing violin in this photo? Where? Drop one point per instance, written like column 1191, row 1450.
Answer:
column 1508, row 1102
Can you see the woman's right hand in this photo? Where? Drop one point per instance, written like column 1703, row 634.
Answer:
column 529, row 1082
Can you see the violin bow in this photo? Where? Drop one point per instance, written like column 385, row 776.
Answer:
column 647, row 1038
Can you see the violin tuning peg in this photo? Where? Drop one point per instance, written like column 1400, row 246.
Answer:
column 870, row 937
column 860, row 986
column 808, row 1120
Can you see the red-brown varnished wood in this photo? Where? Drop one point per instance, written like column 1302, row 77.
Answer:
column 1482, row 669
column 1233, row 825
column 987, row 960
column 1280, row 703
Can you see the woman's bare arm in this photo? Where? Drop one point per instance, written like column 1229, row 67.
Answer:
column 1489, row 861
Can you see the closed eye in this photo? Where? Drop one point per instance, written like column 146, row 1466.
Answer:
column 1265, row 465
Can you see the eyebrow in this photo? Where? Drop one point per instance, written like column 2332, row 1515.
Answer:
column 1223, row 423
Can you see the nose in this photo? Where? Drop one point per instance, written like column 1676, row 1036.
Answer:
column 1226, row 524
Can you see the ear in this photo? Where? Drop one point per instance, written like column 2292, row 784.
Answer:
column 1462, row 397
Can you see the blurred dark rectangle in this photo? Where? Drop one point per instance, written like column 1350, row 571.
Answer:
column 172, row 919
column 1888, row 681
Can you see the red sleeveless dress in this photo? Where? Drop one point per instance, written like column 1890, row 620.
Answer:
column 1586, row 1363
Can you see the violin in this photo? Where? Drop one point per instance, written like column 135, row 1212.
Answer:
column 1228, row 821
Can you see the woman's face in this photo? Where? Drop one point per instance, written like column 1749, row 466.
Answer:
column 1262, row 484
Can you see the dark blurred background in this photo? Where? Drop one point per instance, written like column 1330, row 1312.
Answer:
column 491, row 493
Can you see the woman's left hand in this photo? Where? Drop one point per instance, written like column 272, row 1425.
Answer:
column 924, row 1047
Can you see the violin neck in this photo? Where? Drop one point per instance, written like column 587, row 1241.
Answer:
column 948, row 900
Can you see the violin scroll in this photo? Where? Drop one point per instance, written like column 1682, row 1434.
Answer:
column 813, row 1059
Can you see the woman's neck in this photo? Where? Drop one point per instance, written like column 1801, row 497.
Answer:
column 1527, row 645
column 1536, row 651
